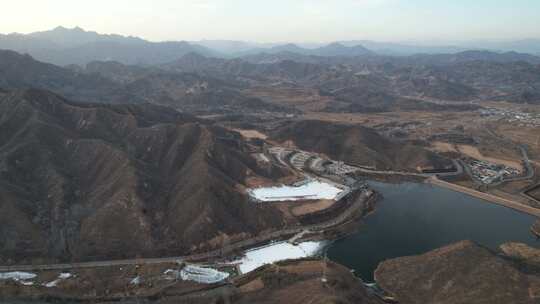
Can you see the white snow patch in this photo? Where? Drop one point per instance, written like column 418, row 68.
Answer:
column 17, row 275
column 169, row 271
column 264, row 158
column 51, row 283
column 170, row 274
column 61, row 277
column 65, row 275
column 276, row 252
column 310, row 190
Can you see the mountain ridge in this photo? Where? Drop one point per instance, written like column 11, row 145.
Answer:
column 69, row 170
column 63, row 46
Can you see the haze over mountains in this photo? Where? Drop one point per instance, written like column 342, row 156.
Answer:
column 63, row 46
column 116, row 149
column 209, row 85
column 531, row 46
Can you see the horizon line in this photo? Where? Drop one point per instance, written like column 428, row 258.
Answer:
column 428, row 42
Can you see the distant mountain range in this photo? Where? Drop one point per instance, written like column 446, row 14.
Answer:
column 63, row 46
column 530, row 46
column 203, row 85
column 467, row 56
column 113, row 82
column 330, row 50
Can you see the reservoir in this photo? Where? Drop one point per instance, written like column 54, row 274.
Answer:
column 414, row 218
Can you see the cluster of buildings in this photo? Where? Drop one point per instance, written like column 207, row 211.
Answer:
column 524, row 119
column 488, row 173
column 302, row 160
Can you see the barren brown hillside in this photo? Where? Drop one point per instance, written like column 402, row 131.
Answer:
column 105, row 181
column 462, row 273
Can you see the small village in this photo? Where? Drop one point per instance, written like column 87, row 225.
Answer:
column 514, row 116
column 489, row 173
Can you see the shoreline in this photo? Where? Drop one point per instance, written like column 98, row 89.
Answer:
column 487, row 197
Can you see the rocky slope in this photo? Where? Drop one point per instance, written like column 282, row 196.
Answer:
column 105, row 181
column 462, row 273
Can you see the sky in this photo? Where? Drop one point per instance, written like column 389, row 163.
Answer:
column 283, row 20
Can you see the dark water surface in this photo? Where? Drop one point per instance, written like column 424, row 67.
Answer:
column 415, row 218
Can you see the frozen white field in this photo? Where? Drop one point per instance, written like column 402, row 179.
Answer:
column 311, row 190
column 17, row 275
column 202, row 275
column 276, row 252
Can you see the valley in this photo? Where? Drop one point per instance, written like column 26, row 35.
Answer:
column 170, row 173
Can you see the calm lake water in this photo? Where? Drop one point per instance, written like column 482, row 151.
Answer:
column 415, row 218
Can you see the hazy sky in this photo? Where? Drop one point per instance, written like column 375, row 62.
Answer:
column 282, row 20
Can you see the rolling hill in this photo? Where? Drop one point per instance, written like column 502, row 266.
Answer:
column 357, row 145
